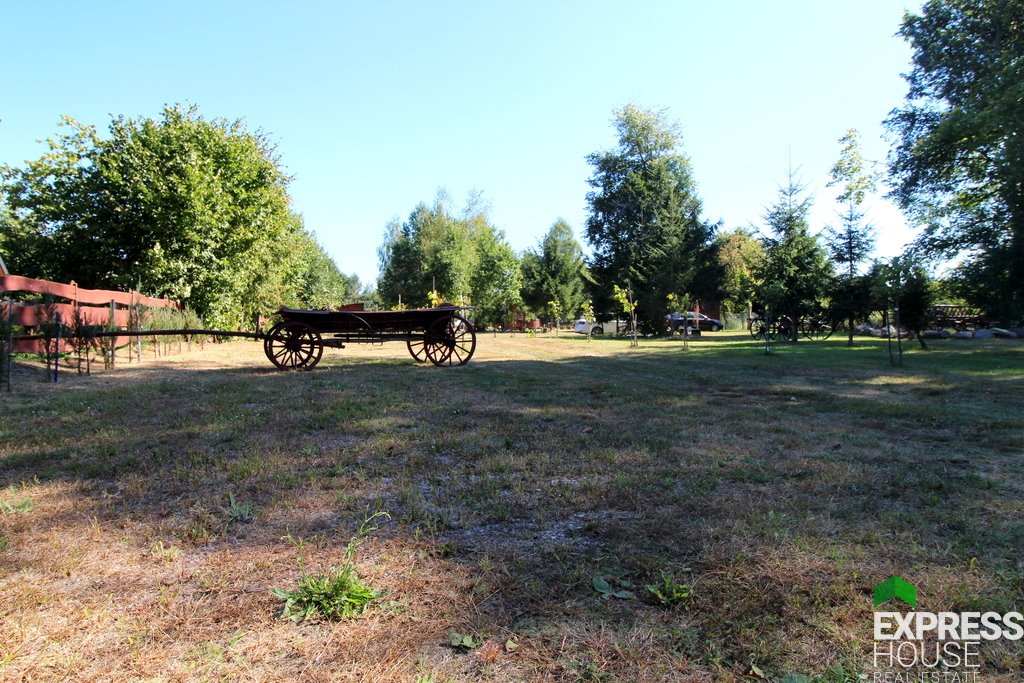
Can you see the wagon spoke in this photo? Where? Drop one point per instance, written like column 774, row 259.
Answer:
column 437, row 342
column 417, row 348
column 460, row 354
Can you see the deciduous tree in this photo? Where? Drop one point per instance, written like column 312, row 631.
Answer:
column 431, row 251
column 464, row 260
column 739, row 256
column 958, row 162
column 497, row 281
column 193, row 209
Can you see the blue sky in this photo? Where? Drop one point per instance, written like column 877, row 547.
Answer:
column 375, row 106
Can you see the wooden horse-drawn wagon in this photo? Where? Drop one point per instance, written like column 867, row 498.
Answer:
column 439, row 335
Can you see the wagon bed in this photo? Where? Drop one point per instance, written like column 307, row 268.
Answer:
column 440, row 335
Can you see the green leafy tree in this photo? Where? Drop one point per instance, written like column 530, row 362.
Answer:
column 904, row 286
column 402, row 278
column 555, row 314
column 682, row 304
column 795, row 274
column 17, row 241
column 739, row 256
column 958, row 163
column 917, row 299
column 556, row 271
column 534, row 279
column 432, row 250
column 852, row 243
column 464, row 260
column 48, row 202
column 644, row 222
column 449, row 256
column 194, row 209
column 587, row 311
column 497, row 281
column 625, row 299
column 318, row 283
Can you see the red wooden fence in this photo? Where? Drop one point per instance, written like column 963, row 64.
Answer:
column 95, row 306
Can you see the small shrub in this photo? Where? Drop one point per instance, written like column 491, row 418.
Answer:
column 337, row 595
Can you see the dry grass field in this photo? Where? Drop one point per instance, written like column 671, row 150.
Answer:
column 147, row 513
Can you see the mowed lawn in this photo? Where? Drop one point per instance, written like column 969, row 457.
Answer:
column 147, row 513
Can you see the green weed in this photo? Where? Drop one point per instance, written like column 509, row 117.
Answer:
column 668, row 593
column 612, row 587
column 238, row 512
column 462, row 641
column 339, row 594
column 9, row 508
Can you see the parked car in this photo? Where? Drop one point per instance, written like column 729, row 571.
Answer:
column 613, row 326
column 696, row 321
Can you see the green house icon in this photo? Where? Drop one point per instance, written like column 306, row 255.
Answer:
column 896, row 587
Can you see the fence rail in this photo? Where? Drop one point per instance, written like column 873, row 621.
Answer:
column 86, row 307
column 72, row 292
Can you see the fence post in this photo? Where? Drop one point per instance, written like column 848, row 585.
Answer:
column 56, row 351
column 9, row 348
column 137, row 297
column 113, row 328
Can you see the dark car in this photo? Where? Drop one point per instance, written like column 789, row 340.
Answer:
column 697, row 321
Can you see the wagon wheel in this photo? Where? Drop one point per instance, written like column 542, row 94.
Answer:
column 293, row 345
column 450, row 341
column 817, row 330
column 417, row 348
column 777, row 330
column 758, row 328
